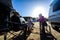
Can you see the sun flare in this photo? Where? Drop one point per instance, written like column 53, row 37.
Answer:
column 37, row 11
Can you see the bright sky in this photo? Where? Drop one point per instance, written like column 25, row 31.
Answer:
column 32, row 7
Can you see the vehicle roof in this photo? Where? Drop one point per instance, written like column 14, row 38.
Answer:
column 7, row 3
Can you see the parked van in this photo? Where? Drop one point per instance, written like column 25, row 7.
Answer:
column 54, row 14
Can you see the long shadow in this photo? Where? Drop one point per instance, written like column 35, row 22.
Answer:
column 47, row 36
column 22, row 37
column 58, row 30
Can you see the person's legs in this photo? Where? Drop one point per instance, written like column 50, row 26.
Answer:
column 43, row 28
column 29, row 28
column 40, row 24
column 25, row 30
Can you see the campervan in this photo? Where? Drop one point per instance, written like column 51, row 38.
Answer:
column 54, row 14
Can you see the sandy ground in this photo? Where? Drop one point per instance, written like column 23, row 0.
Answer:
column 35, row 35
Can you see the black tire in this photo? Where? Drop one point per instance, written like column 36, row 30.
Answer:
column 53, row 26
column 57, row 28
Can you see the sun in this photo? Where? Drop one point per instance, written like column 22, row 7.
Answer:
column 37, row 11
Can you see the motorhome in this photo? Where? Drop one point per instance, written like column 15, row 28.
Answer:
column 54, row 14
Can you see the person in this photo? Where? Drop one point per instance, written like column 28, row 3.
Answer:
column 30, row 24
column 42, row 22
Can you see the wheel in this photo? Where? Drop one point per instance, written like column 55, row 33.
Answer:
column 57, row 28
column 53, row 26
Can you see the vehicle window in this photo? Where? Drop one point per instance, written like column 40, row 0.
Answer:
column 56, row 6
column 22, row 19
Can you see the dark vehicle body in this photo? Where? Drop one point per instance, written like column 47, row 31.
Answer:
column 54, row 14
column 5, row 9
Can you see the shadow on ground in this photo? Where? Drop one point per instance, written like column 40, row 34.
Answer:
column 47, row 36
column 21, row 37
column 58, row 30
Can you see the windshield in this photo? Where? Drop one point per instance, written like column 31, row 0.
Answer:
column 56, row 6
column 22, row 19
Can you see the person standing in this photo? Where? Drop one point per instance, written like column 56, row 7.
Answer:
column 42, row 23
column 30, row 24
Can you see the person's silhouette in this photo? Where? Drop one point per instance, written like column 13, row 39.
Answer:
column 42, row 22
